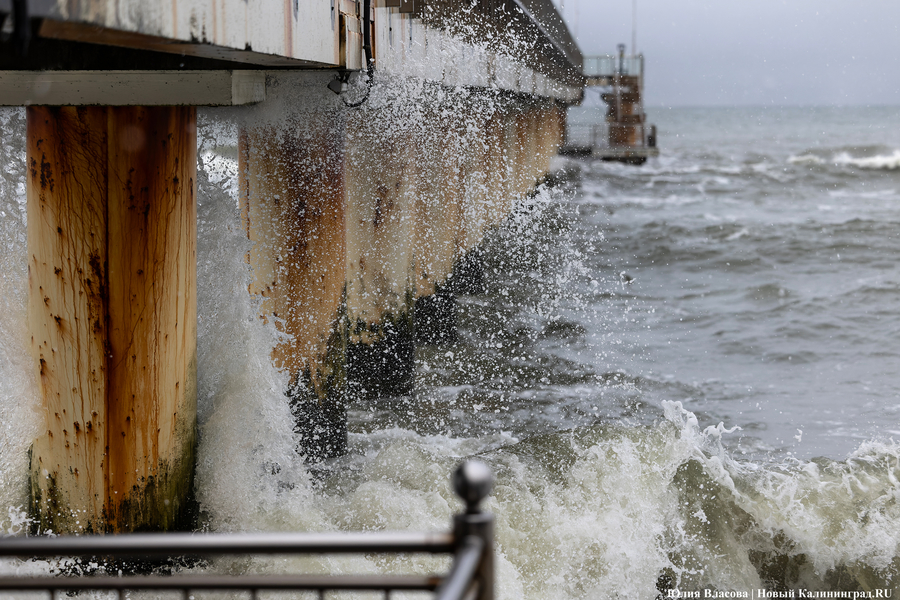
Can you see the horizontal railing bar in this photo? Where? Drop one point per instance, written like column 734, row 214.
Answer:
column 225, row 582
column 214, row 544
column 459, row 580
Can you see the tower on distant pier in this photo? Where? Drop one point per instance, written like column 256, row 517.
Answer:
column 625, row 135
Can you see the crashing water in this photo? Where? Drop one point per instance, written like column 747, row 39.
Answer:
column 598, row 401
column 19, row 422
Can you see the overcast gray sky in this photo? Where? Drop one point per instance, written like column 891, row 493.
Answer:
column 752, row 52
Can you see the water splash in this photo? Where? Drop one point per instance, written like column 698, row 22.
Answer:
column 19, row 420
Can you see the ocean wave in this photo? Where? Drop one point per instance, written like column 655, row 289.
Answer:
column 636, row 511
column 810, row 159
column 863, row 158
column 641, row 509
column 623, row 201
column 800, row 523
column 880, row 162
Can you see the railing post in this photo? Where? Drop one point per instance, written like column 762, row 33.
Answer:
column 472, row 482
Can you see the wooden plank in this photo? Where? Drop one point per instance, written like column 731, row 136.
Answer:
column 132, row 88
column 66, row 192
column 351, row 42
column 220, row 29
column 152, row 315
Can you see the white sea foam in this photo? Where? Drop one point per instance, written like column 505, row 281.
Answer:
column 879, row 162
column 19, row 422
column 805, row 159
column 738, row 234
column 614, row 507
column 645, row 201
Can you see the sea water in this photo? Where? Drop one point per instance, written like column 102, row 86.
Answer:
column 682, row 374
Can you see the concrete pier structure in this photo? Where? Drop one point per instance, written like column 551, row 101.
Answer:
column 358, row 204
column 625, row 136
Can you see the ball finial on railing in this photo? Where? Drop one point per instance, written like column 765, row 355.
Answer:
column 473, row 481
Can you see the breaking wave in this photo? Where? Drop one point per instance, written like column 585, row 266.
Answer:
column 859, row 158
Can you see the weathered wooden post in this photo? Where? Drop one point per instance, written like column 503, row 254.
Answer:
column 437, row 187
column 293, row 209
column 381, row 227
column 112, row 311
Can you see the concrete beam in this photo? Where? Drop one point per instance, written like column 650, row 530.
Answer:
column 131, row 88
column 520, row 46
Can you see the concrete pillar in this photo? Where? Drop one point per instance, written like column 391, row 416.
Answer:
column 381, row 232
column 292, row 205
column 112, row 313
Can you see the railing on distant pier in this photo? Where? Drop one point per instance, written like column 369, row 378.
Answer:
column 613, row 64
column 471, row 576
column 597, row 136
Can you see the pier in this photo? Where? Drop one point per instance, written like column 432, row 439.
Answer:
column 625, row 136
column 379, row 141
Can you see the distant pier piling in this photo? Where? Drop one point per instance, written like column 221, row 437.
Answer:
column 293, row 206
column 625, row 136
column 355, row 214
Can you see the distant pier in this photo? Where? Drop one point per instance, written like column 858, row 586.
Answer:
column 624, row 136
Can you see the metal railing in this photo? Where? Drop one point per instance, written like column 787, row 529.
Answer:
column 598, row 135
column 470, row 542
column 612, row 64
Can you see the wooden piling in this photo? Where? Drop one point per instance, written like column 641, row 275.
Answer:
column 381, row 229
column 355, row 217
column 292, row 206
column 112, row 311
column 67, row 224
